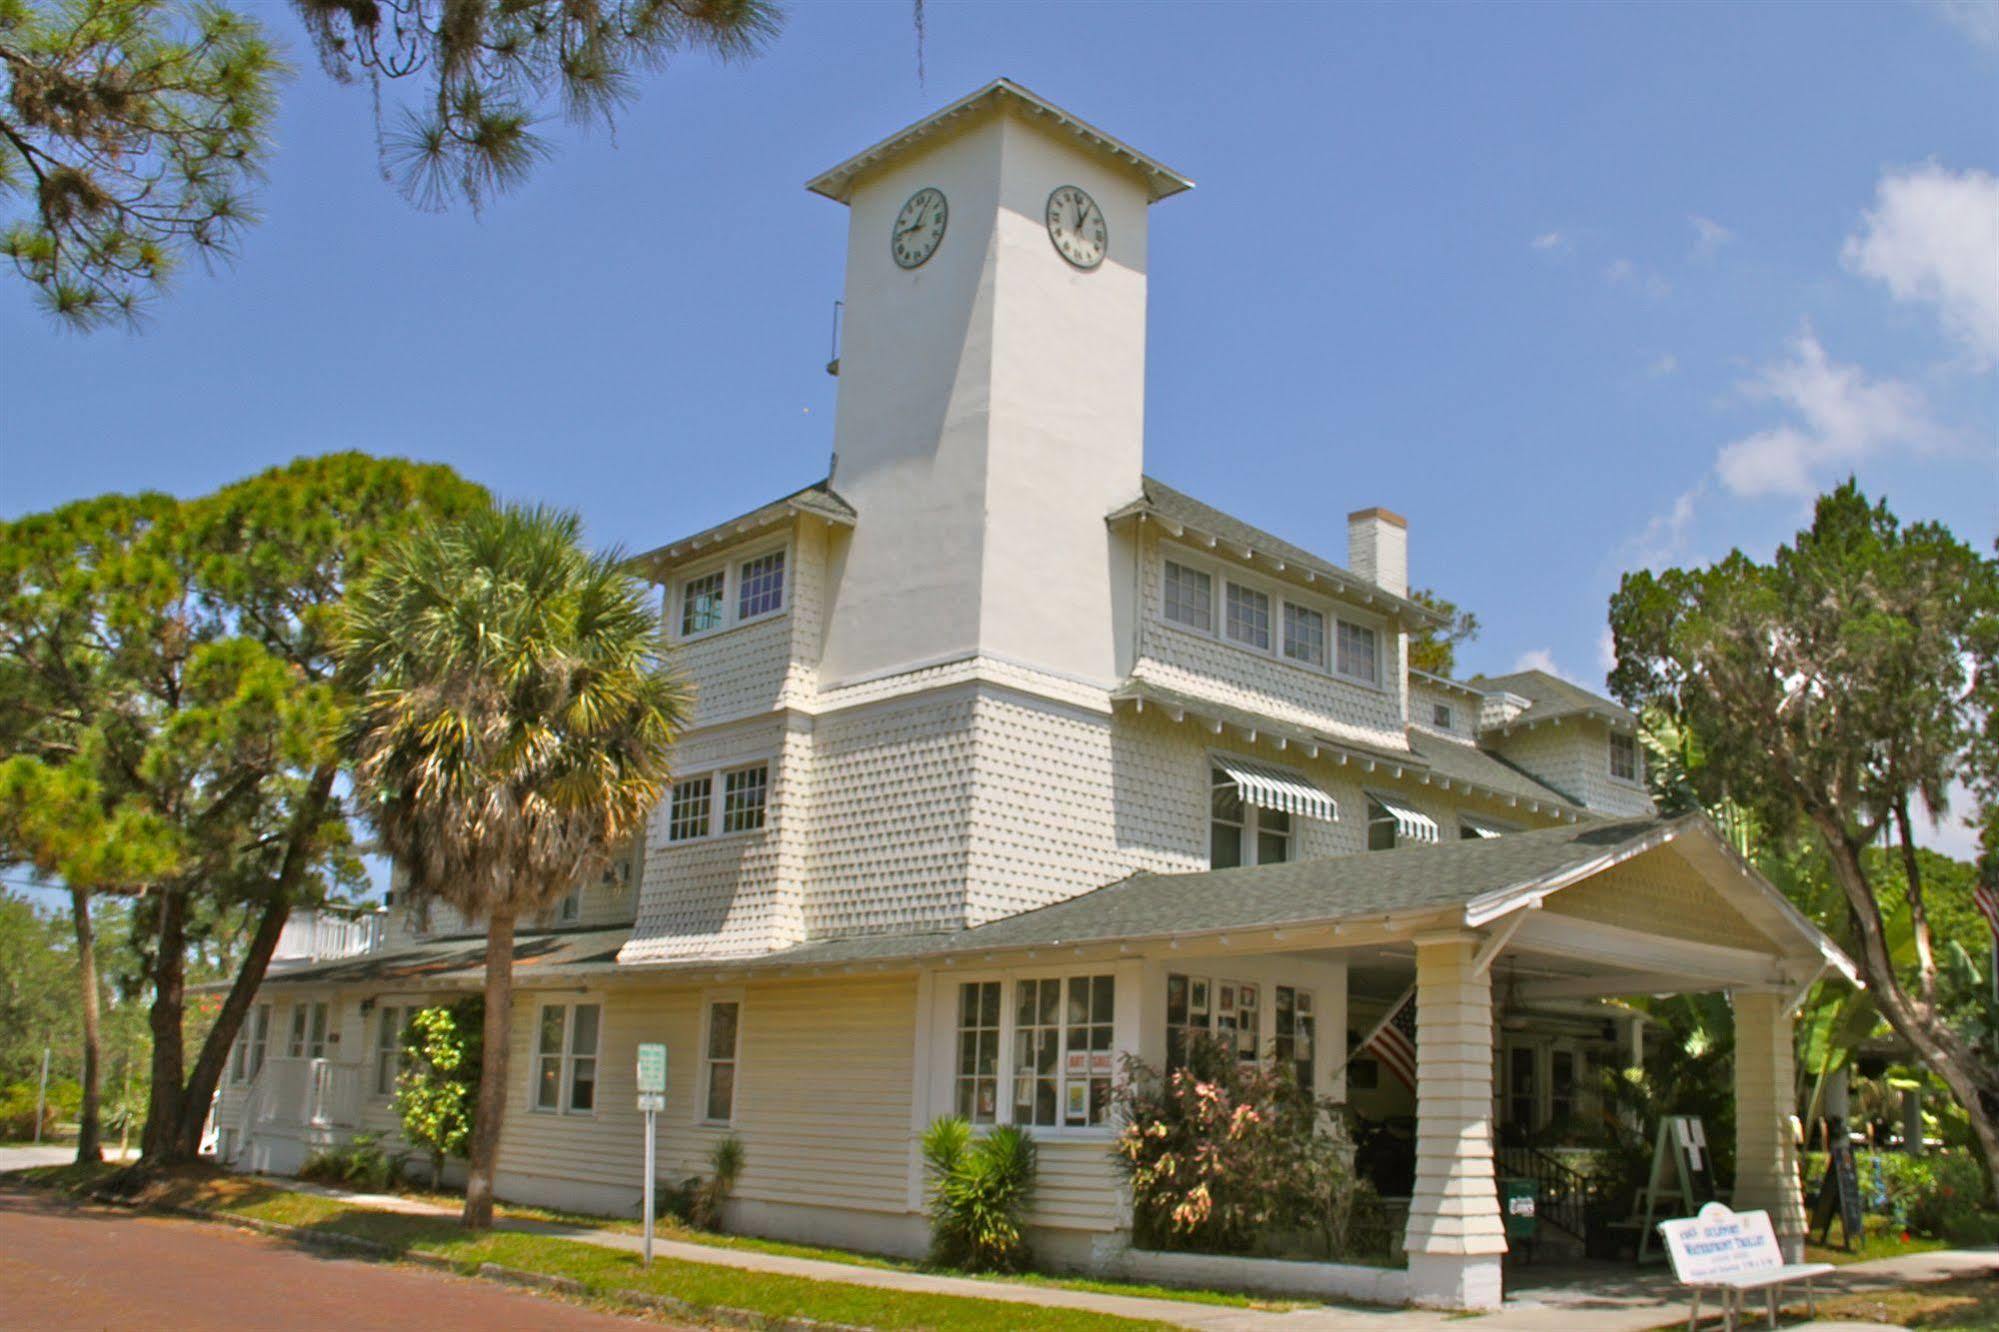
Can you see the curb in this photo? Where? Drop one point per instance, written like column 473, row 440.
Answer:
column 720, row 1315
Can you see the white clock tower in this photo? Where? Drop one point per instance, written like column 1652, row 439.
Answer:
column 992, row 387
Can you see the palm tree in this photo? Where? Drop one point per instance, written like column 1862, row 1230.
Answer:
column 515, row 730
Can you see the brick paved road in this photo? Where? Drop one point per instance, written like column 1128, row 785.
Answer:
column 64, row 1266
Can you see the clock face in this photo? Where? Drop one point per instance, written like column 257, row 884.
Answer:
column 919, row 227
column 1076, row 225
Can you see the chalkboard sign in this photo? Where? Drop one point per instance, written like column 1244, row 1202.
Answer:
column 1839, row 1192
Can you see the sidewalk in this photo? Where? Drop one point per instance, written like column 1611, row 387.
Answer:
column 1633, row 1302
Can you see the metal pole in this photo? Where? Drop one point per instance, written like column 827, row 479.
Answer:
column 42, row 1096
column 652, row 1124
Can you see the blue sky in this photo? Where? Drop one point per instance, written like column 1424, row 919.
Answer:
column 1573, row 288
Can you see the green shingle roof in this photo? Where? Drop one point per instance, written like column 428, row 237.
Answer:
column 1551, row 696
column 462, row 959
column 1472, row 766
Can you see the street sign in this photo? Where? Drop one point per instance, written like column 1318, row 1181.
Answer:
column 652, row 1102
column 652, row 1068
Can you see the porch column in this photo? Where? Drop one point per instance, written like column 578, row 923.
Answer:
column 1766, row 1152
column 1455, row 1237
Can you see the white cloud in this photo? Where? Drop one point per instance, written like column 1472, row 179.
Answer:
column 1933, row 238
column 1976, row 19
column 1541, row 659
column 1709, row 235
column 1842, row 418
column 1665, row 536
column 1624, row 273
column 1663, row 366
column 1549, row 241
column 1606, row 651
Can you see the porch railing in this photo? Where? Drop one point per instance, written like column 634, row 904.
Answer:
column 322, row 935
column 302, row 1093
column 1563, row 1196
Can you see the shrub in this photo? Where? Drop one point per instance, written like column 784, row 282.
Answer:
column 981, row 1187
column 437, row 1093
column 706, row 1198
column 17, row 1107
column 362, row 1163
column 1941, row 1195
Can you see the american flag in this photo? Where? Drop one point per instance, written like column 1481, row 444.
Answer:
column 1394, row 1042
column 1986, row 897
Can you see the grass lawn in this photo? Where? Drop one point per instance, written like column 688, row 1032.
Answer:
column 1962, row 1302
column 1883, row 1240
column 600, row 1270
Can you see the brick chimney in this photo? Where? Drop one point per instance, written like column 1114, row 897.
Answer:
column 1378, row 548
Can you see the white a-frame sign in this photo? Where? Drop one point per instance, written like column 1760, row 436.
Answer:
column 1682, row 1176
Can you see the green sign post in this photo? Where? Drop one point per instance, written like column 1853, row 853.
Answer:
column 652, row 1100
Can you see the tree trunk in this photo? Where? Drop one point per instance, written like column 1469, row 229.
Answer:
column 163, row 1108
column 1940, row 1048
column 492, row 1072
column 214, row 1056
column 89, row 1149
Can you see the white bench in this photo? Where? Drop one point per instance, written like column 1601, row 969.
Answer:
column 1733, row 1253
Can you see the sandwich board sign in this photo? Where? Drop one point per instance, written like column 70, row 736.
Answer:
column 1839, row 1192
column 652, row 1100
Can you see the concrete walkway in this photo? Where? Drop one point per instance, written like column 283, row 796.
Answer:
column 1600, row 1298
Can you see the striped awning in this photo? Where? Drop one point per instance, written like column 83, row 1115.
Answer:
column 1411, row 824
column 1268, row 787
column 1480, row 828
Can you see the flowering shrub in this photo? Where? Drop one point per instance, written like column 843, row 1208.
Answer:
column 1941, row 1195
column 1220, row 1155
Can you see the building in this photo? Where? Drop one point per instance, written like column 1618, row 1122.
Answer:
column 1009, row 759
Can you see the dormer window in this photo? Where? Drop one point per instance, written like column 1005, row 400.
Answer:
column 1304, row 635
column 1624, row 758
column 1440, row 716
column 1190, row 597
column 701, row 604
column 761, row 587
column 1249, row 617
column 1359, row 653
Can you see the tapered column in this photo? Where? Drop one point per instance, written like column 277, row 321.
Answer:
column 1766, row 1146
column 1455, row 1236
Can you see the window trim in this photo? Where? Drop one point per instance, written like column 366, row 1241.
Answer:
column 301, row 1039
column 945, row 1029
column 717, row 776
column 379, row 1049
column 1252, row 821
column 1637, row 777
column 730, row 566
column 1221, row 577
column 240, row 1071
column 565, row 1062
column 709, row 1000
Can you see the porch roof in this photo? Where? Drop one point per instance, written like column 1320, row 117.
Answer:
column 461, row 958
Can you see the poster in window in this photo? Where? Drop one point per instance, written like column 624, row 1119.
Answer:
column 1078, row 1064
column 1225, row 999
column 1304, row 1001
column 1100, row 1064
column 988, row 1099
column 1199, row 1001
column 1245, row 996
column 1079, row 1102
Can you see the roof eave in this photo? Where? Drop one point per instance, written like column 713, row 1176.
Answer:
column 775, row 514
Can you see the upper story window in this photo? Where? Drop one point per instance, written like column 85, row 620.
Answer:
column 1304, row 635
column 1359, row 653
column 565, row 1058
column 1241, row 834
column 1382, row 828
column 1190, row 597
column 693, row 811
column 308, row 1032
column 1440, row 716
column 737, row 593
column 760, row 590
column 1624, row 757
column 701, row 603
column 1249, row 616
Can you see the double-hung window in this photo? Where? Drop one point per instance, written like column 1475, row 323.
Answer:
column 389, row 1024
column 1248, row 620
column 1304, row 635
column 1062, row 1063
column 565, row 1058
column 1624, row 758
column 977, row 1098
column 308, row 1032
column 1241, row 834
column 1190, row 597
column 701, row 603
column 247, row 1059
column 1358, row 655
column 687, row 814
column 744, row 793
column 718, row 1063
column 1382, row 828
column 760, row 586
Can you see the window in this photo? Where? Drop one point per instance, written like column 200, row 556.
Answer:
column 978, row 1051
column 246, row 1061
column 760, row 587
column 1224, row 1010
column 1357, row 657
column 569, row 906
column 688, row 816
column 743, row 794
column 1240, row 833
column 1561, row 1087
column 1188, row 1015
column 308, row 1032
column 1624, row 758
column 1292, row 1046
column 1190, row 597
column 565, row 1058
column 389, row 1026
column 1249, row 616
column 1304, row 635
column 1522, row 1095
column 701, row 604
column 718, row 1065
column 1063, row 1064
column 1440, row 715
column 1381, row 826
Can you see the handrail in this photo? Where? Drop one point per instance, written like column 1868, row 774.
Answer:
column 1563, row 1194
